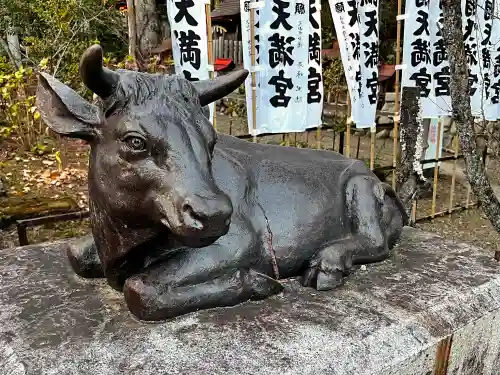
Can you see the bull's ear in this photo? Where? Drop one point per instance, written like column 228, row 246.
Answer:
column 64, row 111
column 211, row 90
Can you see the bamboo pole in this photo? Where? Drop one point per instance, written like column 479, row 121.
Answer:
column 469, row 188
column 446, row 212
column 210, row 43
column 348, row 127
column 396, row 99
column 453, row 178
column 434, row 185
column 467, row 202
column 253, row 73
column 373, row 132
column 358, row 146
column 414, row 212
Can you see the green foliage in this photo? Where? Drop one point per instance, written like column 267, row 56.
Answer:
column 54, row 34
column 333, row 74
column 293, row 143
column 387, row 18
column 327, row 29
column 60, row 30
column 154, row 65
column 17, row 107
column 5, row 67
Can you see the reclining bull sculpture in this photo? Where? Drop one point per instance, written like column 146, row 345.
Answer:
column 185, row 219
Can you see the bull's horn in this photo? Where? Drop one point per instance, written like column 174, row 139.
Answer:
column 211, row 90
column 98, row 79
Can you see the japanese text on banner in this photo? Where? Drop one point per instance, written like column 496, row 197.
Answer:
column 284, row 64
column 315, row 76
column 494, row 107
column 189, row 40
column 417, row 54
column 247, row 60
column 487, row 50
column 369, row 61
column 472, row 36
column 440, row 66
column 345, row 20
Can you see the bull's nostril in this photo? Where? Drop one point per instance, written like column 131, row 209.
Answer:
column 192, row 213
column 191, row 217
column 206, row 213
column 187, row 209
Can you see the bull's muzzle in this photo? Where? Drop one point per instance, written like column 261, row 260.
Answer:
column 196, row 220
column 209, row 216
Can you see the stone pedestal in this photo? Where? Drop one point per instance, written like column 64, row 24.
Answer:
column 433, row 308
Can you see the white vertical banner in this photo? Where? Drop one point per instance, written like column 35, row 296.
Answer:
column 187, row 20
column 283, row 70
column 369, row 60
column 345, row 20
column 245, row 9
column 417, row 62
column 315, row 92
column 495, row 61
column 484, row 18
column 486, row 63
column 471, row 14
column 430, row 153
column 440, row 64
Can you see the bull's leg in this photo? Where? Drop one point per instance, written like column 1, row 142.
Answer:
column 83, row 257
column 228, row 272
column 150, row 300
column 376, row 223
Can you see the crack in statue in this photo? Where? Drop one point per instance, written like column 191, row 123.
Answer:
column 185, row 219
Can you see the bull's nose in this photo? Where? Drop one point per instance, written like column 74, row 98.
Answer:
column 205, row 213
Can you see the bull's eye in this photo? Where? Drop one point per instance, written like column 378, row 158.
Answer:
column 135, row 143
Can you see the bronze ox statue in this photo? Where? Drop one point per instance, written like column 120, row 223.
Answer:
column 184, row 218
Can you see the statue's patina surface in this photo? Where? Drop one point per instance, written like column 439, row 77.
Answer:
column 185, row 219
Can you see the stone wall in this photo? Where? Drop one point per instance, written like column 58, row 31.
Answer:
column 432, row 304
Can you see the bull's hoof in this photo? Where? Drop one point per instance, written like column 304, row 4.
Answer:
column 84, row 259
column 262, row 285
column 321, row 280
column 327, row 269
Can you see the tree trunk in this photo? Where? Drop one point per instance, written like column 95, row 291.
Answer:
column 6, row 48
column 460, row 102
column 14, row 46
column 409, row 134
column 408, row 171
column 148, row 26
